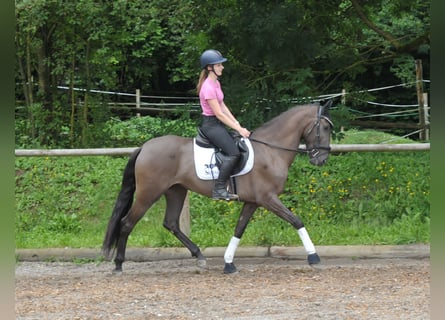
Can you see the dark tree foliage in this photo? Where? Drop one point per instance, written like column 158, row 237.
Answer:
column 279, row 52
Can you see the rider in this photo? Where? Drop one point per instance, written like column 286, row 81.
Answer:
column 216, row 116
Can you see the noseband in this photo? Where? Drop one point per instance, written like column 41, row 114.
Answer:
column 315, row 150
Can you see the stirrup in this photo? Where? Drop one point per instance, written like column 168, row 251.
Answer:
column 224, row 195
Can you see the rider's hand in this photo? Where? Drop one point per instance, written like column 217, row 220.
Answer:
column 244, row 132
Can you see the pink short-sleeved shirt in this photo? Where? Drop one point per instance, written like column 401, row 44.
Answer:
column 210, row 89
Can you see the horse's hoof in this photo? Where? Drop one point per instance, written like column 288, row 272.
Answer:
column 313, row 258
column 229, row 268
column 202, row 263
column 116, row 272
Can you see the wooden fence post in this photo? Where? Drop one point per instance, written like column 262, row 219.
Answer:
column 343, row 102
column 419, row 86
column 343, row 96
column 138, row 101
column 426, row 115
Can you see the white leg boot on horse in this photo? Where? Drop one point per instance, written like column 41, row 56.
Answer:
column 220, row 190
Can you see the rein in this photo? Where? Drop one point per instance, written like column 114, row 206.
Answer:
column 314, row 151
column 301, row 150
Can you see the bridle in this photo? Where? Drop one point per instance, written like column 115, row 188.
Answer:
column 315, row 150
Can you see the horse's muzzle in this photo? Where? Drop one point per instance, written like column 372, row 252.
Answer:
column 319, row 157
column 317, row 161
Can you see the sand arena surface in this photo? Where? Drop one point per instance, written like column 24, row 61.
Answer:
column 264, row 288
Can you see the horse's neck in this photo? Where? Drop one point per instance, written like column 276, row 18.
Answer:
column 285, row 130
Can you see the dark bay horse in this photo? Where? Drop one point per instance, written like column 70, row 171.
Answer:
column 164, row 166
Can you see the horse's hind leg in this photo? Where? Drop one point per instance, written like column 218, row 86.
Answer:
column 128, row 222
column 175, row 201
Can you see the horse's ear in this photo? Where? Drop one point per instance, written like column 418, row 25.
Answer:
column 325, row 107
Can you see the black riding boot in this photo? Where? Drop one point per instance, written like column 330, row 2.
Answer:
column 220, row 189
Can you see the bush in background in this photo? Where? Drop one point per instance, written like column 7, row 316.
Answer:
column 356, row 198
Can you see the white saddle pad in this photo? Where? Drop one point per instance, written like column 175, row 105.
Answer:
column 205, row 162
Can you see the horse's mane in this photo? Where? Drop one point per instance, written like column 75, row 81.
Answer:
column 284, row 115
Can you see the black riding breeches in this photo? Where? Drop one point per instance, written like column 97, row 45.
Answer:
column 217, row 133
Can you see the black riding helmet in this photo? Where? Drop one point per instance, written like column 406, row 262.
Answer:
column 211, row 57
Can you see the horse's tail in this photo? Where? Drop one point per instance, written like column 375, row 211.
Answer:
column 123, row 204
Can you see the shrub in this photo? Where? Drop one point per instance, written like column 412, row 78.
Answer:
column 356, row 198
column 136, row 131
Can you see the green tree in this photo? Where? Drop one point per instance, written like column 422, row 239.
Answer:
column 86, row 44
column 279, row 52
column 285, row 49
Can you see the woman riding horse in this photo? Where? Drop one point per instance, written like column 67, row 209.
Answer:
column 215, row 117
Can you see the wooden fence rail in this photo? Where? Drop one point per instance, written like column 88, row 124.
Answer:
column 185, row 214
column 126, row 151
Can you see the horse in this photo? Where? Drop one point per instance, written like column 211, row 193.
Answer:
column 163, row 166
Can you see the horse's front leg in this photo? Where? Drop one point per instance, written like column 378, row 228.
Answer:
column 244, row 218
column 276, row 206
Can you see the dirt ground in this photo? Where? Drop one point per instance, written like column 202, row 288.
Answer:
column 264, row 288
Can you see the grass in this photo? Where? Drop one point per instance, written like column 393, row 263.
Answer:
column 356, row 198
